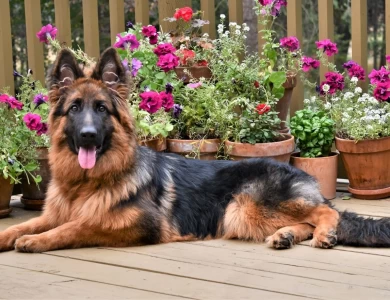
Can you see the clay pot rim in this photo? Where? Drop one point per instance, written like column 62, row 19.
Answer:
column 331, row 156
column 201, row 145
column 363, row 146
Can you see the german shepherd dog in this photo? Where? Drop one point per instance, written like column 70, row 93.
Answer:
column 108, row 191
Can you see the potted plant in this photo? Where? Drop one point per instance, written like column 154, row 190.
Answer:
column 192, row 47
column 16, row 157
column 196, row 132
column 248, row 90
column 314, row 134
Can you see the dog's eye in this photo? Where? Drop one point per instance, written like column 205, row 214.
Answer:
column 101, row 108
column 74, row 108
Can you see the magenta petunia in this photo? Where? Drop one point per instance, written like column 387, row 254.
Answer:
column 127, row 41
column 388, row 59
column 328, row 47
column 335, row 82
column 40, row 99
column 153, row 39
column 148, row 31
column 194, row 85
column 308, row 62
column 32, row 121
column 4, row 98
column 168, row 62
column 265, row 2
column 151, row 101
column 163, row 49
column 357, row 71
column 349, row 64
column 43, row 129
column 382, row 91
column 291, row 43
column 167, row 100
column 13, row 103
column 378, row 76
column 276, row 5
column 46, row 32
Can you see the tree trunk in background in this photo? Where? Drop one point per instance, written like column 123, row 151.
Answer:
column 250, row 19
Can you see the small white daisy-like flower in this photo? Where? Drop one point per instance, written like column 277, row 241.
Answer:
column 358, row 90
column 187, row 38
column 246, row 28
column 238, row 32
column 369, row 127
column 222, row 16
column 244, row 36
column 335, row 99
column 238, row 26
column 326, row 88
column 327, row 105
column 306, row 101
column 232, row 24
column 344, row 120
column 182, row 46
column 348, row 95
column 313, row 99
column 346, row 115
column 354, row 79
column 206, row 35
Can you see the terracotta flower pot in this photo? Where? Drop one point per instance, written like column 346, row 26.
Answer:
column 5, row 196
column 196, row 72
column 324, row 169
column 367, row 164
column 33, row 196
column 283, row 105
column 281, row 151
column 201, row 149
column 158, row 145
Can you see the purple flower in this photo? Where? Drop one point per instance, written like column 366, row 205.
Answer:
column 125, row 64
column 39, row 99
column 291, row 43
column 167, row 100
column 168, row 62
column 32, row 121
column 130, row 25
column 349, row 64
column 46, row 32
column 163, row 49
column 42, row 129
column 151, row 101
column 194, row 85
column 382, row 91
column 328, row 47
column 377, row 76
column 357, row 71
column 16, row 74
column 335, row 82
column 177, row 109
column 168, row 88
column 308, row 62
column 135, row 66
column 127, row 41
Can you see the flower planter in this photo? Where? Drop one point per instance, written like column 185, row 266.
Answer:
column 280, row 151
column 33, row 196
column 158, row 145
column 324, row 169
column 367, row 164
column 5, row 196
column 202, row 149
column 196, row 71
column 283, row 105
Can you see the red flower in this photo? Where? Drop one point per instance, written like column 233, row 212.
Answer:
column 256, row 84
column 151, row 101
column 263, row 108
column 202, row 63
column 382, row 91
column 184, row 13
column 185, row 55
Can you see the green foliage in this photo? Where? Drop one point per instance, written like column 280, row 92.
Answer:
column 314, row 132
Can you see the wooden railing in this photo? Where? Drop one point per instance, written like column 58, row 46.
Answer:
column 166, row 8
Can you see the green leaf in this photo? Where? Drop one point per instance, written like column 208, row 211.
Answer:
column 160, row 75
column 346, row 198
column 278, row 78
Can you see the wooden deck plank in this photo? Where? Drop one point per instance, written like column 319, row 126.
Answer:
column 116, row 274
column 305, row 286
column 374, row 208
column 25, row 284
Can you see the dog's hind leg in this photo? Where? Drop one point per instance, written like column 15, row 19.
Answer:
column 287, row 236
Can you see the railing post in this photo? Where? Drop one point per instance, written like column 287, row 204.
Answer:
column 142, row 12
column 166, row 8
column 62, row 21
column 6, row 66
column 32, row 10
column 359, row 35
column 91, row 28
column 294, row 27
column 236, row 11
column 208, row 8
column 117, row 18
column 326, row 27
column 387, row 24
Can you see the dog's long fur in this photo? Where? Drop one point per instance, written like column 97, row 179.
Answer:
column 135, row 196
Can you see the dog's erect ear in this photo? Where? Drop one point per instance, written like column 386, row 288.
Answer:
column 111, row 72
column 65, row 70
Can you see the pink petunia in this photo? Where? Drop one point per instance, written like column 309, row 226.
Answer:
column 382, row 91
column 308, row 62
column 13, row 103
column 291, row 43
column 127, row 41
column 163, row 49
column 32, row 121
column 168, row 62
column 328, row 47
column 335, row 82
column 151, row 102
column 378, row 76
column 148, row 31
column 43, row 129
column 194, row 85
column 46, row 32
column 357, row 71
column 167, row 100
column 388, row 59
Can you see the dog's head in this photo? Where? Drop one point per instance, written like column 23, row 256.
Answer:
column 89, row 116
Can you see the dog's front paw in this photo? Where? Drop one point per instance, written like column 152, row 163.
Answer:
column 7, row 240
column 31, row 243
column 280, row 240
column 324, row 240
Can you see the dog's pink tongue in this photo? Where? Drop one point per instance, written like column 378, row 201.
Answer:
column 87, row 157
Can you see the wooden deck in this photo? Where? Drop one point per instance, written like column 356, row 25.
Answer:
column 216, row 269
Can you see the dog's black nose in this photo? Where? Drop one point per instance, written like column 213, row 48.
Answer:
column 88, row 133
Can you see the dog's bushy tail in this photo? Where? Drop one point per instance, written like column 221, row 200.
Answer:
column 357, row 231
